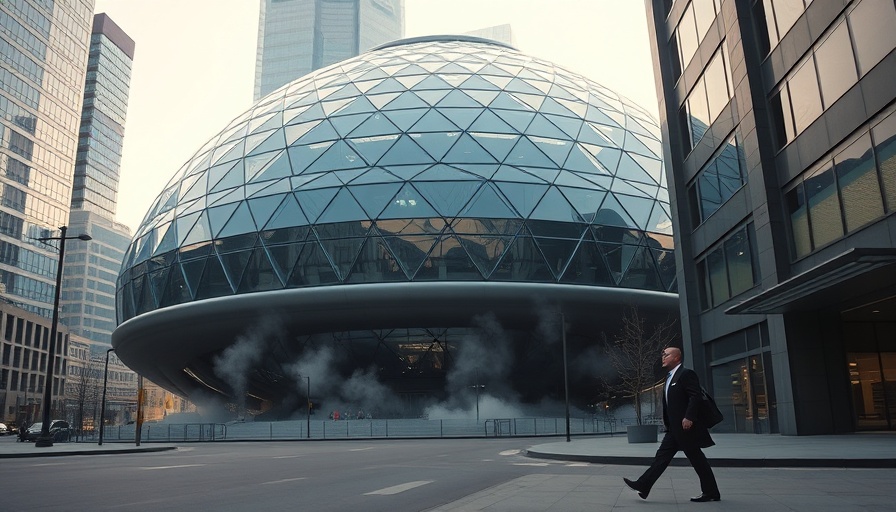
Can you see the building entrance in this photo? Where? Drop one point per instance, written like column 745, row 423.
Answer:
column 871, row 360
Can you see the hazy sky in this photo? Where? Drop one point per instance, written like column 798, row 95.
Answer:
column 194, row 66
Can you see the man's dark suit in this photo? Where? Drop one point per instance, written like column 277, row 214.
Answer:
column 684, row 398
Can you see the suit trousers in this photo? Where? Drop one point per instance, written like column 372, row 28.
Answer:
column 664, row 455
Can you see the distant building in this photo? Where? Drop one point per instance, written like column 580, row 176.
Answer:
column 779, row 126
column 108, row 82
column 295, row 37
column 84, row 386
column 44, row 46
column 24, row 342
column 501, row 33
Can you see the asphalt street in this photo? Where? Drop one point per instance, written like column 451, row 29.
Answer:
column 405, row 475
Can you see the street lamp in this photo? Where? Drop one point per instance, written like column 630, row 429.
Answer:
column 45, row 439
column 103, row 403
column 307, row 407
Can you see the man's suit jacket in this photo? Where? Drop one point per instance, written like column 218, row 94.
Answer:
column 684, row 400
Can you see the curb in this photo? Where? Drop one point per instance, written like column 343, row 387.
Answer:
column 24, row 455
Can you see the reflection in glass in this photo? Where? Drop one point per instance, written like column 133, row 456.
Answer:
column 824, row 206
column 857, row 180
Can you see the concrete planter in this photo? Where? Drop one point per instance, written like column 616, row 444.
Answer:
column 642, row 433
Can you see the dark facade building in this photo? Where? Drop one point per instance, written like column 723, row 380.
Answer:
column 430, row 199
column 780, row 146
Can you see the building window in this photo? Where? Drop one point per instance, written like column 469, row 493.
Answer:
column 728, row 269
column 857, row 181
column 780, row 16
column 884, row 135
column 872, row 22
column 717, row 182
column 692, row 28
column 707, row 99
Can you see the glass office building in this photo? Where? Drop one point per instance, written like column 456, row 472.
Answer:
column 91, row 267
column 296, row 37
column 779, row 121
column 44, row 48
column 382, row 204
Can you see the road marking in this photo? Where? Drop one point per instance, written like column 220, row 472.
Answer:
column 49, row 464
column 530, row 463
column 288, row 456
column 361, row 449
column 395, row 489
column 510, row 452
column 578, row 465
column 175, row 467
column 283, row 481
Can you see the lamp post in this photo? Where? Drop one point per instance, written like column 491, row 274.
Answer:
column 308, row 408
column 45, row 439
column 565, row 373
column 103, row 403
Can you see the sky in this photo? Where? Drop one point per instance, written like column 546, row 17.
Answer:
column 194, row 66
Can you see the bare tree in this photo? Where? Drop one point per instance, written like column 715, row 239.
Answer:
column 634, row 352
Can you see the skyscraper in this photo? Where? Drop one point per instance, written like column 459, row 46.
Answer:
column 88, row 286
column 44, row 49
column 296, row 37
column 779, row 121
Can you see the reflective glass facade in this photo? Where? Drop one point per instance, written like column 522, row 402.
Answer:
column 296, row 37
column 432, row 160
column 43, row 45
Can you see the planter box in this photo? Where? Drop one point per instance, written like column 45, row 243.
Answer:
column 642, row 433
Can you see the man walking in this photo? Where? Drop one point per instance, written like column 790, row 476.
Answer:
column 684, row 430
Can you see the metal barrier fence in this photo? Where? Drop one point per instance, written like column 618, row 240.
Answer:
column 358, row 429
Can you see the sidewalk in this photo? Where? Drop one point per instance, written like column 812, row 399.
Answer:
column 863, row 450
column 11, row 449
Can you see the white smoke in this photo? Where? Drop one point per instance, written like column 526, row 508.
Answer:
column 236, row 362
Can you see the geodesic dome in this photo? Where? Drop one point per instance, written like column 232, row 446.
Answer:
column 435, row 159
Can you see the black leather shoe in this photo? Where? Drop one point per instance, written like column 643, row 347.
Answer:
column 637, row 488
column 706, row 497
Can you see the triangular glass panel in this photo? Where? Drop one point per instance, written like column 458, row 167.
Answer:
column 404, row 119
column 342, row 252
column 360, row 105
column 324, row 131
column 406, row 100
column 283, row 258
column 197, row 189
column 608, row 157
column 372, row 149
column 591, row 135
column 338, row 156
column 585, row 201
column 158, row 281
column 300, row 157
column 411, row 80
column 488, row 204
column 240, row 222
column 523, row 196
column 224, row 150
column 490, row 123
column 313, row 113
column 407, row 172
column 570, row 126
column 431, row 97
column 192, row 271
column 432, row 82
column 448, row 197
column 525, row 153
column 462, row 117
column 214, row 281
column 477, row 82
column 580, row 160
column 312, row 269
column 533, row 101
column 200, row 232
column 557, row 252
column 518, row 85
column 332, row 107
column 484, row 98
column 442, row 172
column 347, row 91
column 408, row 203
column 375, row 175
column 374, row 198
column 268, row 188
column 554, row 206
column 345, row 124
column 457, row 98
column 259, row 274
column 615, row 134
column 642, row 272
column 452, row 67
column 185, row 225
column 541, row 127
column 168, row 239
column 295, row 132
column 410, row 251
column 576, row 106
column 612, row 213
column 587, row 266
column 275, row 140
column 665, row 264
column 518, row 119
column 448, row 261
column 652, row 166
column 485, row 250
column 628, row 169
column 288, row 214
column 435, row 144
column 468, row 151
column 314, row 202
column 144, row 300
column 342, row 208
column 513, row 174
column 412, row 69
column 639, row 209
column 570, row 179
column 218, row 173
column 405, row 151
column 381, row 100
column 659, row 221
column 628, row 188
column 522, row 262
column 491, row 69
column 556, row 149
column 217, row 218
column 387, row 85
column 234, row 265
column 433, row 121
column 506, row 101
column 375, row 125
column 233, row 195
column 278, row 167
column 263, row 207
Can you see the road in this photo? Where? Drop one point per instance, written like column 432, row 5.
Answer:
column 400, row 475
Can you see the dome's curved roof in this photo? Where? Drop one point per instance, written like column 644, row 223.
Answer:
column 426, row 160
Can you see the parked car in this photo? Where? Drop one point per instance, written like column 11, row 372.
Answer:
column 59, row 429
column 3, row 429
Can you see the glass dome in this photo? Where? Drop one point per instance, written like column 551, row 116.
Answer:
column 425, row 160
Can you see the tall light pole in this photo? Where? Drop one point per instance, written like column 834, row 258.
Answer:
column 45, row 439
column 103, row 404
column 308, row 408
column 565, row 373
